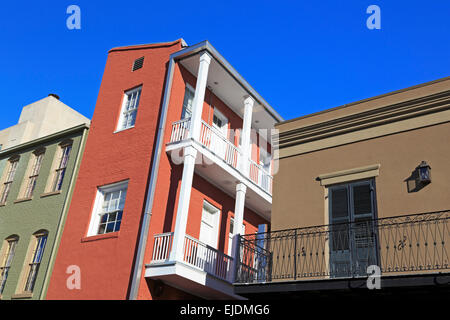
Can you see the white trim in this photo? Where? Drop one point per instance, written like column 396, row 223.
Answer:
column 99, row 198
column 215, row 226
column 120, row 126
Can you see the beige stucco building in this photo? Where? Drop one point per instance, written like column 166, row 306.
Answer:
column 382, row 138
column 39, row 119
column 364, row 184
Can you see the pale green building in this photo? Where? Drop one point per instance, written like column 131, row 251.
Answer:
column 39, row 162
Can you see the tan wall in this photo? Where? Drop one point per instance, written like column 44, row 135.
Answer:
column 39, row 119
column 299, row 199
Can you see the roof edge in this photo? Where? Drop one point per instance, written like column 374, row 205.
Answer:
column 44, row 139
column 383, row 95
column 207, row 46
column 149, row 45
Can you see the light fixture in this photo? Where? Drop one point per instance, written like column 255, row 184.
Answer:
column 424, row 173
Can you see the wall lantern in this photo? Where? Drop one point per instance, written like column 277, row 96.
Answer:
column 424, row 173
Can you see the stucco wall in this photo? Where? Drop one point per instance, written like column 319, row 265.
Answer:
column 25, row 218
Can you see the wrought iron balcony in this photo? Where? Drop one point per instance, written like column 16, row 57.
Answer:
column 402, row 245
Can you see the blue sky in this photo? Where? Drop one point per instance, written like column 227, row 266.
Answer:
column 301, row 56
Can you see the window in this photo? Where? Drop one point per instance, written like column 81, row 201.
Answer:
column 220, row 122
column 129, row 109
column 6, row 188
column 61, row 167
column 138, row 63
column 187, row 102
column 108, row 209
column 6, row 261
column 36, row 162
column 39, row 242
column 230, row 235
column 264, row 159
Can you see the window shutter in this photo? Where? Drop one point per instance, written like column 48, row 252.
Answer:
column 339, row 203
column 362, row 199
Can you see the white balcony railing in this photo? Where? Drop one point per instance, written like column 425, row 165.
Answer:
column 221, row 146
column 162, row 247
column 210, row 138
column 196, row 254
column 260, row 176
column 180, row 130
column 217, row 143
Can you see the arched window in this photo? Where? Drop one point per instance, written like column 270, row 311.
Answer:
column 6, row 256
column 34, row 259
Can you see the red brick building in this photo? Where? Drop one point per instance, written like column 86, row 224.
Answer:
column 177, row 163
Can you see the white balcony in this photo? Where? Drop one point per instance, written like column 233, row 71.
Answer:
column 221, row 163
column 203, row 270
column 211, row 139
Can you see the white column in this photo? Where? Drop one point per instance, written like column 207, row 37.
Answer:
column 239, row 208
column 237, row 225
column 246, row 131
column 199, row 96
column 179, row 233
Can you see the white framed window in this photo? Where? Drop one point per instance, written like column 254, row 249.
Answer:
column 189, row 94
column 108, row 209
column 220, row 122
column 7, row 257
column 9, row 179
column 129, row 109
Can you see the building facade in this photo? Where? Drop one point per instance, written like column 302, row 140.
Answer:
column 355, row 195
column 178, row 163
column 38, row 169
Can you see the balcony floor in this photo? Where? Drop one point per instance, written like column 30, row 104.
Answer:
column 414, row 284
column 194, row 281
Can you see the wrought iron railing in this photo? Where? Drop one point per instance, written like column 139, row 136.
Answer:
column 409, row 244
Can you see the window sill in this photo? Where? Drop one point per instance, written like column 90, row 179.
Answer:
column 125, row 129
column 111, row 235
column 22, row 295
column 23, row 200
column 48, row 194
